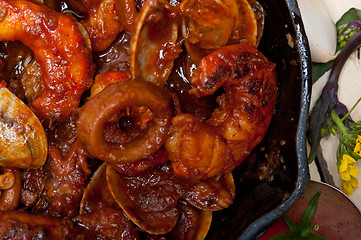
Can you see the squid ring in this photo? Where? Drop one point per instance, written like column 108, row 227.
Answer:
column 59, row 47
column 114, row 98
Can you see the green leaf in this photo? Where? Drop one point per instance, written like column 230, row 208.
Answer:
column 318, row 69
column 351, row 15
column 291, row 224
column 348, row 25
column 308, row 213
column 304, row 229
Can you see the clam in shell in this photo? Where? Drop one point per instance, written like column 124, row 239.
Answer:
column 152, row 199
column 155, row 43
column 23, row 142
column 97, row 195
column 211, row 24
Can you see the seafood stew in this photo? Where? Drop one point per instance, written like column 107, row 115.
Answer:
column 145, row 119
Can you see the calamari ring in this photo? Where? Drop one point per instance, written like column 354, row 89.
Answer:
column 60, row 49
column 114, row 98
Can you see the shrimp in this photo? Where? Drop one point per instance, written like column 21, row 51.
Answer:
column 65, row 59
column 202, row 149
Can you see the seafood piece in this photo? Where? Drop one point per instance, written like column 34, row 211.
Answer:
column 10, row 186
column 97, row 195
column 102, row 23
column 127, row 13
column 193, row 224
column 31, row 80
column 65, row 183
column 245, row 22
column 33, row 181
column 23, row 143
column 211, row 24
column 99, row 210
column 260, row 17
column 157, row 159
column 17, row 58
column 208, row 23
column 28, row 225
column 56, row 41
column 20, row 224
column 115, row 57
column 201, row 149
column 103, row 80
column 98, row 112
column 154, row 44
column 152, row 209
column 207, row 26
column 108, row 223
column 211, row 194
column 151, row 199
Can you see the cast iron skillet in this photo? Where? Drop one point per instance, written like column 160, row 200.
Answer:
column 276, row 173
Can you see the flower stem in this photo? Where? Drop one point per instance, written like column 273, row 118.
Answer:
column 336, row 119
column 353, row 107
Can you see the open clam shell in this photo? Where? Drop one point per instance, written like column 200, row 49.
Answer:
column 153, row 211
column 211, row 24
column 245, row 22
column 154, row 45
column 97, row 195
column 206, row 26
column 23, row 142
column 212, row 194
column 151, row 200
column 260, row 17
column 193, row 224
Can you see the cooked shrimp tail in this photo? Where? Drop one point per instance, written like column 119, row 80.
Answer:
column 59, row 47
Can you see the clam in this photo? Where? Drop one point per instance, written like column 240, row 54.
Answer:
column 245, row 22
column 154, row 45
column 152, row 200
column 23, row 142
column 207, row 25
column 97, row 195
column 148, row 201
column 260, row 17
column 211, row 24
column 212, row 194
column 193, row 224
